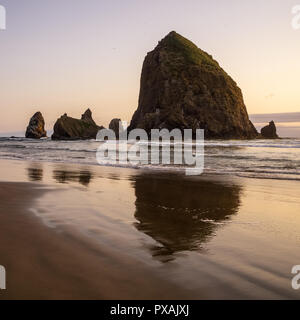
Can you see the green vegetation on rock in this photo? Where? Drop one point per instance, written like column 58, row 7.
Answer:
column 180, row 45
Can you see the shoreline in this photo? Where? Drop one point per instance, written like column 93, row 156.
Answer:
column 154, row 170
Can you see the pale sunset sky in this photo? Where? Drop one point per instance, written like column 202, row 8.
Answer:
column 62, row 56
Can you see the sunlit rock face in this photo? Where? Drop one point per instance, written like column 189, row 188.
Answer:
column 36, row 127
column 184, row 87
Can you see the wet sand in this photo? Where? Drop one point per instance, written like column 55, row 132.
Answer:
column 42, row 263
column 83, row 232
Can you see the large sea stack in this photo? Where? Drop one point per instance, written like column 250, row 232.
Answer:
column 36, row 127
column 184, row 87
column 67, row 128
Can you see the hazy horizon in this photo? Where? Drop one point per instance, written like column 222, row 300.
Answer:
column 66, row 56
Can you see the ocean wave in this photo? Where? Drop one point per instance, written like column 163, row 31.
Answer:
column 278, row 159
column 11, row 146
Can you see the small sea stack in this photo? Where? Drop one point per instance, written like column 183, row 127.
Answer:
column 36, row 127
column 116, row 126
column 269, row 131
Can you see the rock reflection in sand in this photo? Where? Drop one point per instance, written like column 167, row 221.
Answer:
column 178, row 213
column 35, row 173
column 84, row 177
column 61, row 175
column 182, row 214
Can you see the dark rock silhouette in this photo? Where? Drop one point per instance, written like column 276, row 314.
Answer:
column 269, row 131
column 36, row 127
column 116, row 125
column 184, row 87
column 67, row 128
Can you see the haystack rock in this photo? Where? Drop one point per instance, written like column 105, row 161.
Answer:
column 269, row 131
column 36, row 127
column 116, row 126
column 67, row 128
column 184, row 87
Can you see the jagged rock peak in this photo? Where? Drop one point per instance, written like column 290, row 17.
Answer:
column 87, row 115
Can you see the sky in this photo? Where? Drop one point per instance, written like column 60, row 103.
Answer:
column 60, row 56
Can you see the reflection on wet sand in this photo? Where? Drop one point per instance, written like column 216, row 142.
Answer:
column 179, row 214
column 84, row 177
column 228, row 238
column 35, row 173
column 182, row 215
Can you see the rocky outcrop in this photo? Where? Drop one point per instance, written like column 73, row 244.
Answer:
column 87, row 116
column 67, row 128
column 184, row 87
column 116, row 126
column 36, row 127
column 269, row 131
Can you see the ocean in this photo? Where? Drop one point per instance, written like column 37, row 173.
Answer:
column 275, row 159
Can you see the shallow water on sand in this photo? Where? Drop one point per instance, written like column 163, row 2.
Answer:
column 219, row 237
